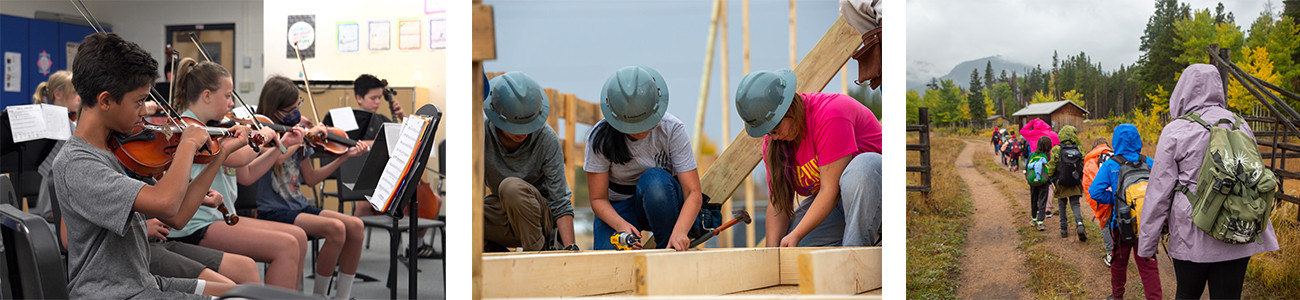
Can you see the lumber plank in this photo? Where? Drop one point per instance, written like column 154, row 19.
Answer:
column 559, row 275
column 476, row 184
column 712, row 272
column 813, row 73
column 789, row 262
column 485, row 40
column 840, row 271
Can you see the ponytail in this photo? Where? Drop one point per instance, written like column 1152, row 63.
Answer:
column 60, row 81
column 192, row 78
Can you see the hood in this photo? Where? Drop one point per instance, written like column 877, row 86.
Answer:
column 1036, row 125
column 1127, row 141
column 1199, row 88
column 1069, row 134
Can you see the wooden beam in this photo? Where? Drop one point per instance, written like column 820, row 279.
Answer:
column 560, row 275
column 788, row 261
column 485, row 40
column 847, row 271
column 813, row 73
column 710, row 272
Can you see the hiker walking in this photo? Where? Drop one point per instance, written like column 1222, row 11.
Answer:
column 1037, row 175
column 1066, row 169
column 1100, row 153
column 1181, row 180
column 1122, row 181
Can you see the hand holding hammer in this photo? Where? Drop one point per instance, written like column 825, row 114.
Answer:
column 737, row 216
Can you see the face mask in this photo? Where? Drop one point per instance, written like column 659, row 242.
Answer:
column 292, row 118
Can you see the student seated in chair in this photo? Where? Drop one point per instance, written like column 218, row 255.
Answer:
column 100, row 203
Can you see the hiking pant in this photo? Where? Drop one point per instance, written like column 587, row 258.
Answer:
column 654, row 207
column 1147, row 269
column 1038, row 202
column 856, row 220
column 1105, row 239
column 517, row 216
column 1074, row 204
column 1225, row 278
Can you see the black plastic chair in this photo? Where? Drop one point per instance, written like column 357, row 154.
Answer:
column 32, row 267
column 7, row 193
column 248, row 291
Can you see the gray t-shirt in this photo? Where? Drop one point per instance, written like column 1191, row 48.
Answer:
column 667, row 146
column 108, row 254
column 539, row 161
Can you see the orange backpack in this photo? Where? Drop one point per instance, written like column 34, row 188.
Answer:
column 1092, row 162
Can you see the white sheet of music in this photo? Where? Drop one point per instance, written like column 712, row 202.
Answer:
column 399, row 161
column 39, row 121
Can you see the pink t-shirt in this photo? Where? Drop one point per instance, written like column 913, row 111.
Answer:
column 838, row 126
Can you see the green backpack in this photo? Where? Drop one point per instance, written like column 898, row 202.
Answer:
column 1036, row 169
column 1234, row 191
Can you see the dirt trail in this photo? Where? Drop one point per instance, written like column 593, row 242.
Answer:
column 993, row 267
column 1085, row 257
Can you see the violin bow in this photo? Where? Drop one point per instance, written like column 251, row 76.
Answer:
column 306, row 83
column 172, row 114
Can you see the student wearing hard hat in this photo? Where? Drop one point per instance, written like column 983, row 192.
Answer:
column 822, row 146
column 524, row 167
column 640, row 169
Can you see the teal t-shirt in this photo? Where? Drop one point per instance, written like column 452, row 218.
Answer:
column 224, row 183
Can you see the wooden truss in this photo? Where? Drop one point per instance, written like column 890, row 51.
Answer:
column 820, row 271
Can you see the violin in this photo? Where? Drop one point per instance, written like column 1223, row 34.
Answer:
column 334, row 141
column 231, row 219
column 149, row 148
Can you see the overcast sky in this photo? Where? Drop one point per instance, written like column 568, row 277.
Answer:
column 943, row 33
column 574, row 45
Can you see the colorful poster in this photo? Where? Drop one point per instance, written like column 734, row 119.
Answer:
column 438, row 33
column 301, row 34
column 379, row 35
column 349, row 36
column 408, row 34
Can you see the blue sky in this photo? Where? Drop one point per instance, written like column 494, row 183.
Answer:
column 574, row 45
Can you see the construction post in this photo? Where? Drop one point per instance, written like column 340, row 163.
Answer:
column 749, row 181
column 698, row 138
column 793, row 41
column 727, row 238
column 484, row 48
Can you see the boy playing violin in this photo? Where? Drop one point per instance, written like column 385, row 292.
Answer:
column 101, row 204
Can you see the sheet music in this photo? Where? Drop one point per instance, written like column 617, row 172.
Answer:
column 39, row 121
column 399, row 162
column 343, row 118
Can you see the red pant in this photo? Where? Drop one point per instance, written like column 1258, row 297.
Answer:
column 1147, row 268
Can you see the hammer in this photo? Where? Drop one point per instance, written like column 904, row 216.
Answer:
column 737, row 216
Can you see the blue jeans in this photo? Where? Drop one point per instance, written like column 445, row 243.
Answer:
column 856, row 220
column 655, row 207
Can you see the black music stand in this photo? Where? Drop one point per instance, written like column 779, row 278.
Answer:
column 405, row 190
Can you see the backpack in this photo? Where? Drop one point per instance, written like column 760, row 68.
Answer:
column 1036, row 169
column 1091, row 162
column 1024, row 146
column 1234, row 191
column 1069, row 168
column 1127, row 211
column 1015, row 149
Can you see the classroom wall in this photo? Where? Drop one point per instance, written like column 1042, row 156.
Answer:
column 404, row 68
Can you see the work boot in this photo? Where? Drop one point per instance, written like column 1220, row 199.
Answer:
column 1083, row 235
column 1065, row 232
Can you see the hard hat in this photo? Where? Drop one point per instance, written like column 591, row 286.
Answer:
column 516, row 103
column 763, row 99
column 634, row 99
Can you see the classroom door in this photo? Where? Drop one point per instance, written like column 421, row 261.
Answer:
column 217, row 39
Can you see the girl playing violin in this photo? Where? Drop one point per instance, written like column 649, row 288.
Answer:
column 280, row 200
column 204, row 91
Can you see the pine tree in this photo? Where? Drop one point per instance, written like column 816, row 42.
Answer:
column 1157, row 65
column 976, row 97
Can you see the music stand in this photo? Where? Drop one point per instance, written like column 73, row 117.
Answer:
column 405, row 190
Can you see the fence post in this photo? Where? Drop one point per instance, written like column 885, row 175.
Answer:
column 923, row 114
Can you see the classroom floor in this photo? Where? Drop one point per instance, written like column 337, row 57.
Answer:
column 374, row 262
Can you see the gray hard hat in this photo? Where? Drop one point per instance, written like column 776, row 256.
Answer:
column 763, row 99
column 516, row 103
column 634, row 99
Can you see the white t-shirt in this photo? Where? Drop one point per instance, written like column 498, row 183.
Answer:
column 668, row 146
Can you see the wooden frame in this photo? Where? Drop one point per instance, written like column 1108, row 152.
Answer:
column 665, row 273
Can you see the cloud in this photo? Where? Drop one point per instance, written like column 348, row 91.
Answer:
column 946, row 32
